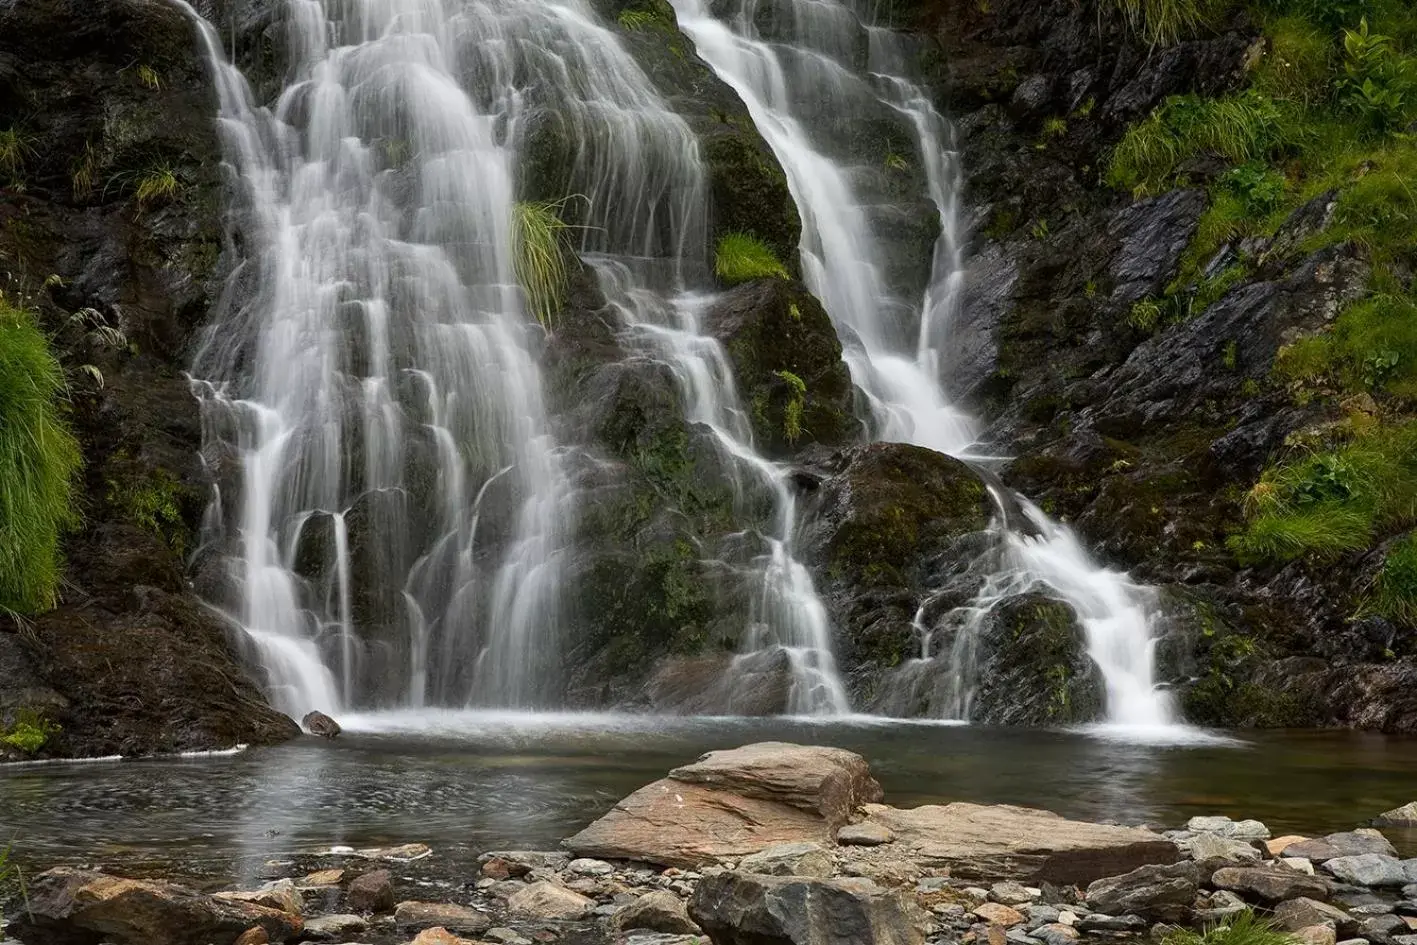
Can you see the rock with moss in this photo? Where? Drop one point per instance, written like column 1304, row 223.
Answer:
column 1033, row 667
column 787, row 365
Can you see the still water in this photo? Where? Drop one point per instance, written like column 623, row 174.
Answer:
column 466, row 783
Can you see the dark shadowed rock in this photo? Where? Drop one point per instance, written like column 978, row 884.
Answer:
column 1033, row 666
column 748, row 909
column 371, row 892
column 1349, row 843
column 81, row 907
column 1296, row 914
column 1270, row 884
column 1152, row 234
column 1003, row 841
column 658, row 911
column 318, row 723
column 1163, row 893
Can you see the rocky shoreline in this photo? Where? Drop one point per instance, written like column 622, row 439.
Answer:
column 778, row 844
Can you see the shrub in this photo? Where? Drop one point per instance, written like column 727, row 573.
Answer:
column 1243, row 928
column 796, row 402
column 1163, row 22
column 38, row 460
column 1379, row 85
column 539, row 240
column 743, row 258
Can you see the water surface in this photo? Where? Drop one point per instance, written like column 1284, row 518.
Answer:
column 465, row 783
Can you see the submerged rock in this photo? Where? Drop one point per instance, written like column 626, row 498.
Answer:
column 749, row 909
column 1404, row 816
column 318, row 723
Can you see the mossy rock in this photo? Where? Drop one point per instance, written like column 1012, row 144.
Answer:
column 748, row 190
column 1033, row 666
column 787, row 364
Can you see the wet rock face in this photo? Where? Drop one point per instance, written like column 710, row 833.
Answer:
column 739, row 909
column 105, row 96
column 1034, row 667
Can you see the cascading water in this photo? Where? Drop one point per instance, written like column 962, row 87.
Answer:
column 797, row 84
column 398, row 530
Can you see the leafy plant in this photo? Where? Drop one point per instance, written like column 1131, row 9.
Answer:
column 1378, row 83
column 1257, row 186
column 38, row 460
column 539, row 240
column 1395, row 587
column 742, row 258
column 796, row 403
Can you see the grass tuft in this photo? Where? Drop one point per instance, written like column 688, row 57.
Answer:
column 796, row 403
column 157, row 185
column 38, row 460
column 1395, row 588
column 1243, row 928
column 1163, row 22
column 539, row 238
column 743, row 258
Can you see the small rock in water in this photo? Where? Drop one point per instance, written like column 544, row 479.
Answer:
column 1011, row 893
column 371, row 892
column 1367, row 869
column 322, row 878
column 999, row 914
column 1404, row 816
column 400, row 854
column 864, row 835
column 789, row 859
column 1225, row 827
column 545, row 900
column 588, row 867
column 656, row 912
column 426, row 915
column 318, row 723
column 329, row 928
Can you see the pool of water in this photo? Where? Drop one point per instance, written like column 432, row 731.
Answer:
column 465, row 783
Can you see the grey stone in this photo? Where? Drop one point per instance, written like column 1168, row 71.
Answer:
column 1381, row 925
column 546, row 900
column 588, row 867
column 416, row 916
column 1404, row 816
column 752, row 909
column 1298, row 864
column 659, row 911
column 1056, row 934
column 1011, row 893
column 1296, row 914
column 1219, row 906
column 525, row 861
column 329, row 928
column 506, row 937
column 1270, row 883
column 1367, row 869
column 789, row 859
column 1157, row 892
column 1097, row 922
column 1372, row 908
column 1040, row 915
column 1352, row 843
column 1230, row 829
column 863, row 835
column 1353, row 941
column 1213, row 846
column 1409, row 891
column 1405, row 939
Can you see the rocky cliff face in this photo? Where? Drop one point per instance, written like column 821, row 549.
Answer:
column 1145, row 436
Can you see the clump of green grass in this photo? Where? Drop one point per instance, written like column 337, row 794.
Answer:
column 796, row 403
column 743, row 258
column 1395, row 588
column 1163, row 22
column 1243, row 928
column 156, row 185
column 1296, row 66
column 1332, row 501
column 38, row 460
column 1371, row 346
column 539, row 240
column 29, row 732
column 650, row 14
column 15, row 148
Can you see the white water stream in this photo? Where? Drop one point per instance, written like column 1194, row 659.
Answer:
column 810, row 70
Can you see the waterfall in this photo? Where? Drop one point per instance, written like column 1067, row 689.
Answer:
column 395, row 518
column 820, row 63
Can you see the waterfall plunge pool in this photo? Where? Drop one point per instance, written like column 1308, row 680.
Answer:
column 470, row 782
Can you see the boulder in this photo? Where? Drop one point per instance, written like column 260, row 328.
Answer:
column 1353, row 843
column 439, row 936
column 750, row 909
column 1154, row 891
column 1316, row 935
column 730, row 804
column 658, row 911
column 1007, row 842
column 1270, row 884
column 411, row 916
column 1404, row 816
column 996, row 913
column 789, row 859
column 371, row 892
column 1367, row 869
column 546, row 900
column 79, row 907
column 334, row 928
column 318, row 723
column 253, row 936
column 281, row 895
column 1225, row 827
column 1278, row 845
column 863, row 835
column 1214, row 846
column 1302, row 913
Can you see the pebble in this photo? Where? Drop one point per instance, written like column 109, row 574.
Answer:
column 997, row 913
column 1011, row 893
column 864, row 835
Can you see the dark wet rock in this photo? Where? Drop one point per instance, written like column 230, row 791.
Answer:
column 1271, row 884
column 658, row 911
column 776, row 334
column 318, row 723
column 1296, row 914
column 748, row 909
column 415, row 916
column 81, row 907
column 1151, row 236
column 1367, row 869
column 1351, row 843
column 371, row 892
column 1034, row 666
column 1163, row 893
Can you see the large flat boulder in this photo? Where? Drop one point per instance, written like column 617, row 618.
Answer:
column 81, row 907
column 730, row 804
column 751, row 909
column 1002, row 841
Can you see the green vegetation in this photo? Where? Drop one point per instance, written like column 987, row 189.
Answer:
column 796, row 402
column 647, row 15
column 539, row 240
column 1395, row 588
column 743, row 258
column 38, row 460
column 1244, row 928
column 1163, row 22
column 29, row 733
column 156, row 185
column 1330, row 501
column 155, row 506
column 84, row 174
column 15, row 148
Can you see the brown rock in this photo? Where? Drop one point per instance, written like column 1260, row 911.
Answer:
column 371, row 892
column 673, row 823
column 831, row 782
column 414, row 916
column 659, row 911
column 1296, row 914
column 281, row 895
column 1278, row 845
column 1316, row 935
column 318, row 723
column 439, row 936
column 1270, row 884
column 751, row 909
column 548, row 901
column 863, row 835
column 996, row 913
column 253, row 936
column 82, row 905
column 1006, row 842
column 497, row 868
